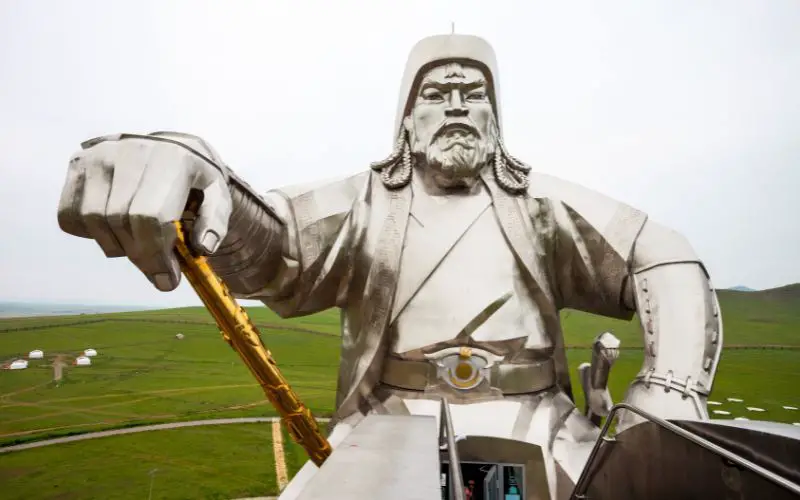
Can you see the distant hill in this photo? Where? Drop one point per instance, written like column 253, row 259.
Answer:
column 27, row 309
column 786, row 293
column 741, row 288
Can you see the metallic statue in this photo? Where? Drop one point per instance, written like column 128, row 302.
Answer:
column 450, row 261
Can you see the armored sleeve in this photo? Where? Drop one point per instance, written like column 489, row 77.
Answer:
column 681, row 324
column 611, row 260
column 591, row 245
column 256, row 256
column 299, row 266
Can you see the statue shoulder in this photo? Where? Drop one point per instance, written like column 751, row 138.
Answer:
column 338, row 186
column 319, row 199
column 579, row 198
column 618, row 222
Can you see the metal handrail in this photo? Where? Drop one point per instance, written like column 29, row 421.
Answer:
column 447, row 434
column 582, row 485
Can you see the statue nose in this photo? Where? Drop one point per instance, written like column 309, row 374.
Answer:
column 456, row 107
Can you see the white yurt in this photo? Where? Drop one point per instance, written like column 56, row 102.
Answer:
column 35, row 354
column 179, row 336
column 82, row 361
column 19, row 364
column 90, row 353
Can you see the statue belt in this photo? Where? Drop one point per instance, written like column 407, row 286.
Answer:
column 466, row 368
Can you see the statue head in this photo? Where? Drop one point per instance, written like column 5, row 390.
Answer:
column 448, row 120
column 451, row 125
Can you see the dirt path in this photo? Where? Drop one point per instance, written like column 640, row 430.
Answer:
column 143, row 428
column 58, row 367
column 280, row 463
column 136, row 393
column 281, row 473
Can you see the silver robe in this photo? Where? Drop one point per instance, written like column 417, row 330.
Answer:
column 342, row 243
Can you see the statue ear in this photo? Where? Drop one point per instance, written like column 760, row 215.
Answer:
column 408, row 127
column 408, row 124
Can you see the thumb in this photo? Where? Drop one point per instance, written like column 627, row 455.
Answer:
column 211, row 225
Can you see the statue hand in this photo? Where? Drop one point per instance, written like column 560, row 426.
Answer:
column 126, row 193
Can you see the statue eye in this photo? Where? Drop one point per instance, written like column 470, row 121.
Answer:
column 432, row 95
column 477, row 96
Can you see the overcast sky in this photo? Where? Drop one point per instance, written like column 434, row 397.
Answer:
column 688, row 110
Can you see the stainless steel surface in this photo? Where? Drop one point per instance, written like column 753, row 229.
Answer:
column 500, row 378
column 605, row 350
column 681, row 324
column 412, row 248
column 448, row 439
column 643, row 450
column 445, row 236
column 385, row 456
column 594, row 376
column 251, row 227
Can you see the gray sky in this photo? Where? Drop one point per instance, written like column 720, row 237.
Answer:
column 688, row 110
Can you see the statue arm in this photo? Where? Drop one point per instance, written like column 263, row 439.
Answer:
column 287, row 248
column 291, row 248
column 670, row 289
column 256, row 256
column 613, row 261
column 250, row 256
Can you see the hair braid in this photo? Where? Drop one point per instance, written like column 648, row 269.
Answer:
column 511, row 174
column 396, row 168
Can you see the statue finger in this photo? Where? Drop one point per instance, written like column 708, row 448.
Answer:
column 97, row 186
column 161, row 269
column 130, row 162
column 211, row 225
column 159, row 201
column 69, row 205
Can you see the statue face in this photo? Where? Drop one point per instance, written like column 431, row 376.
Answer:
column 451, row 123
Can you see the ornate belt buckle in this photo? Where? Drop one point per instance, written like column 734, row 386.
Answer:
column 463, row 368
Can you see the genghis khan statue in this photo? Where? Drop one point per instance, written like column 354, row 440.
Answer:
column 449, row 260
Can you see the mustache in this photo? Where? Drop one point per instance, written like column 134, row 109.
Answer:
column 458, row 142
column 449, row 125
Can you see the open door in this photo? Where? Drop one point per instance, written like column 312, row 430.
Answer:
column 491, row 484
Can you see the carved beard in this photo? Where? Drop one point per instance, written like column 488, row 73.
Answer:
column 456, row 155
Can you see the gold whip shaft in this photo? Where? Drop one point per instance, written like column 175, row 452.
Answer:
column 243, row 336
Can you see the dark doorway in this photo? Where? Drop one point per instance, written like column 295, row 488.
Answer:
column 483, row 481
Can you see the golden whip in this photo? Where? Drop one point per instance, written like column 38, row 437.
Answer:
column 243, row 336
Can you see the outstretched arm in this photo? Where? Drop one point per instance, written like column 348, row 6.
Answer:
column 249, row 256
column 288, row 248
column 255, row 257
column 681, row 326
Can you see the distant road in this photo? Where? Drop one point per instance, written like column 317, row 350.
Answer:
column 142, row 428
column 68, row 321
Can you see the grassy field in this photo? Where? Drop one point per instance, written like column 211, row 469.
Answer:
column 143, row 374
column 218, row 462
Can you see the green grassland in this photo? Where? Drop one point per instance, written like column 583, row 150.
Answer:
column 220, row 462
column 143, row 374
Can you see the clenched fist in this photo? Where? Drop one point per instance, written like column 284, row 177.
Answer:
column 126, row 191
